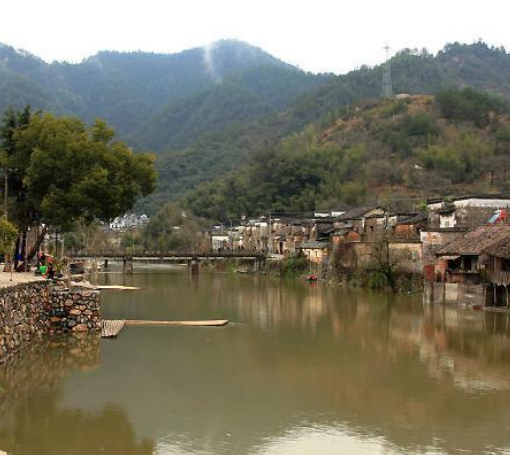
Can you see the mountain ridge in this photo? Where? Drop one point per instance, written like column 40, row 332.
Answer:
column 125, row 88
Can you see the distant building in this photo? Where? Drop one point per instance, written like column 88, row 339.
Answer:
column 316, row 252
column 465, row 212
column 128, row 221
column 220, row 241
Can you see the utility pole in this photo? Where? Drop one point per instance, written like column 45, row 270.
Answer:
column 6, row 195
column 269, row 236
column 387, row 85
column 231, row 235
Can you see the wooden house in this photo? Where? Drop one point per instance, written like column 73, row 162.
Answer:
column 467, row 258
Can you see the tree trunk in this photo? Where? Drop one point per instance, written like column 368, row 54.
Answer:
column 37, row 244
column 16, row 250
column 22, row 266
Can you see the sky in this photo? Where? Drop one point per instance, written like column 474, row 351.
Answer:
column 319, row 36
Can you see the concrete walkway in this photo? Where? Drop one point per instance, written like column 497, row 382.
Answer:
column 17, row 278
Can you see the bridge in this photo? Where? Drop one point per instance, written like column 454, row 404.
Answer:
column 191, row 258
column 143, row 255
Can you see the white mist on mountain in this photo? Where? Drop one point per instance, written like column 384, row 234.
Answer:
column 208, row 53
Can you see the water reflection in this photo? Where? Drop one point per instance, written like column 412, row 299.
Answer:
column 33, row 420
column 302, row 370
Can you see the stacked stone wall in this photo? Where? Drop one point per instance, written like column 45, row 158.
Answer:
column 29, row 311
column 76, row 312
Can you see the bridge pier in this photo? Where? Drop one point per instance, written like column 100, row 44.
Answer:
column 260, row 263
column 193, row 265
column 127, row 265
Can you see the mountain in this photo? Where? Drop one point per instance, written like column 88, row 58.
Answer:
column 135, row 91
column 209, row 112
column 218, row 155
column 239, row 97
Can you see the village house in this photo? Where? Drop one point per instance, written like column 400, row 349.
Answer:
column 357, row 217
column 288, row 234
column 470, row 258
column 128, row 221
column 316, row 252
column 408, row 225
column 473, row 269
column 449, row 219
column 345, row 234
column 466, row 212
column 356, row 224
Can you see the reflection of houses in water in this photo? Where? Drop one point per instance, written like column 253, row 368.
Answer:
column 455, row 343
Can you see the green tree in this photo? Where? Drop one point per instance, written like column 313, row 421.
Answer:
column 8, row 235
column 65, row 172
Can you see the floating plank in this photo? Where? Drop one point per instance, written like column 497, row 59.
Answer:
column 111, row 328
column 213, row 322
column 119, row 288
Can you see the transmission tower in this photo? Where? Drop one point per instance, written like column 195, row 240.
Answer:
column 387, row 86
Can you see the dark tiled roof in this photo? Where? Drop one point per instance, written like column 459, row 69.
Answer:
column 499, row 249
column 358, row 212
column 477, row 241
column 412, row 218
column 313, row 244
column 445, row 229
column 324, row 228
column 449, row 208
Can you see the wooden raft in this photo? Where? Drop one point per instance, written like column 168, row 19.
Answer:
column 118, row 288
column 111, row 328
column 209, row 323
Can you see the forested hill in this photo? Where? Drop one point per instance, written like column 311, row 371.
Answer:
column 396, row 153
column 182, row 93
column 414, row 72
column 220, row 152
column 208, row 111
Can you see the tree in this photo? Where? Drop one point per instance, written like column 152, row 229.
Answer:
column 64, row 172
column 470, row 105
column 385, row 261
column 172, row 229
column 8, row 234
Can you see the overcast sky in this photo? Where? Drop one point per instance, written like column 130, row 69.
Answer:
column 316, row 35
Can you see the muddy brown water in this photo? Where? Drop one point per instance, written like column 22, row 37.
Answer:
column 301, row 369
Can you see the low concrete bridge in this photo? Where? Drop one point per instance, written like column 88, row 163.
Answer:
column 192, row 258
column 167, row 254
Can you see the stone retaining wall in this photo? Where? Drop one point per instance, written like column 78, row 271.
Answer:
column 77, row 312
column 29, row 311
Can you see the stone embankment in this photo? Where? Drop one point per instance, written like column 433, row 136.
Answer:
column 74, row 311
column 30, row 311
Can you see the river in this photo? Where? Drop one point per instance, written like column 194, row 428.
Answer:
column 302, row 369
